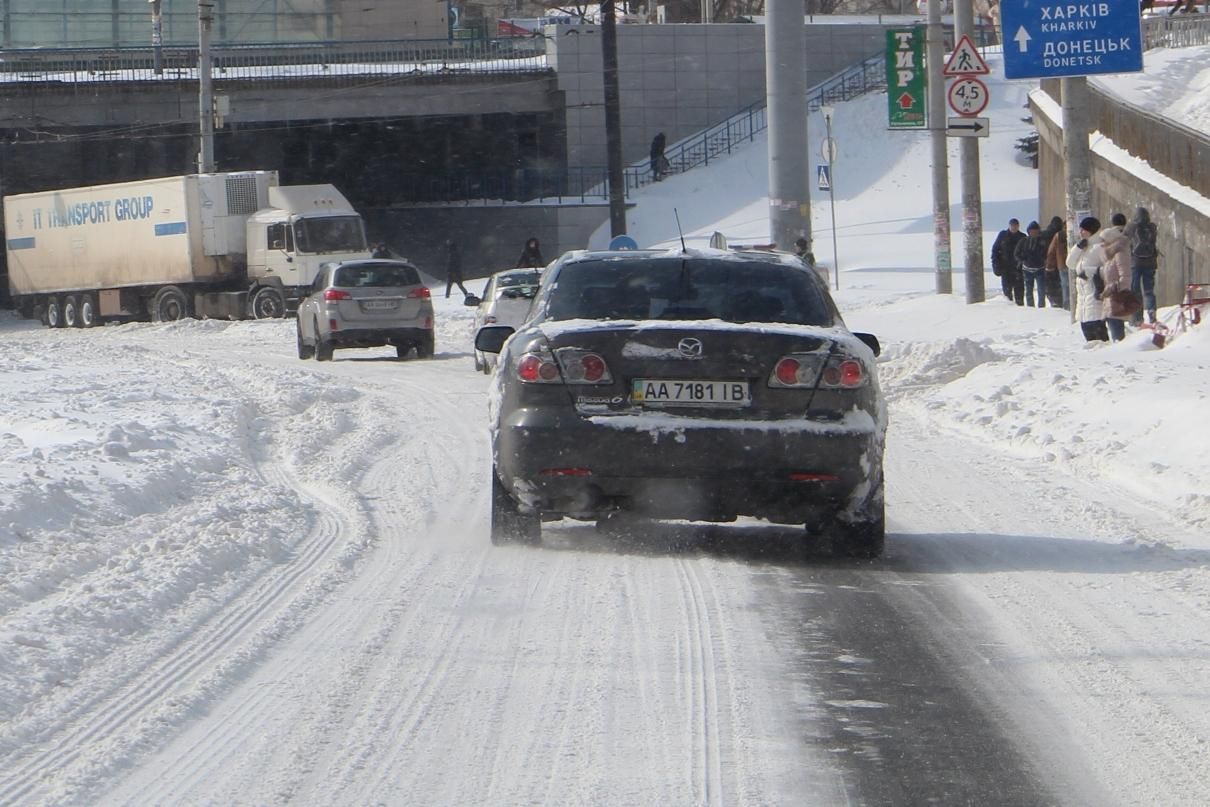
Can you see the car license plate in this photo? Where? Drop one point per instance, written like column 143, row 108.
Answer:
column 689, row 392
column 380, row 305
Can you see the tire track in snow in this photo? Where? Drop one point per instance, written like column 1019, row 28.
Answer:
column 702, row 682
column 137, row 704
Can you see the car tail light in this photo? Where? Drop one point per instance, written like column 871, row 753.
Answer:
column 421, row 293
column 428, row 323
column 337, row 294
column 489, row 320
column 844, row 372
column 803, row 371
column 536, row 369
column 333, row 325
column 583, row 366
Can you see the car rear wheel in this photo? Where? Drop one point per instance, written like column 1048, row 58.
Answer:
column 509, row 524
column 323, row 349
column 305, row 351
column 426, row 347
column 864, row 538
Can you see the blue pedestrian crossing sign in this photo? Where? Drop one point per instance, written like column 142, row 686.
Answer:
column 1054, row 38
column 824, row 175
column 623, row 242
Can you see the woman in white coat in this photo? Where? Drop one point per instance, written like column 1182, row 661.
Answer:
column 1117, row 276
column 1085, row 260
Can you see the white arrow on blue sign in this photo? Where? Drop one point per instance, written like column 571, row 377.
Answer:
column 1051, row 38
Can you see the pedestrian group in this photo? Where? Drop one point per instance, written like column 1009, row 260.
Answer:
column 1113, row 270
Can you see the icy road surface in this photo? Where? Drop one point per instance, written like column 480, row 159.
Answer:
column 231, row 577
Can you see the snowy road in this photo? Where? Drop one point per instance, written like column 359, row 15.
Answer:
column 368, row 645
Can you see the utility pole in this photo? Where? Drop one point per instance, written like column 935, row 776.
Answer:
column 1077, row 174
column 613, row 121
column 935, row 50
column 786, row 89
column 972, row 194
column 205, row 102
column 157, row 36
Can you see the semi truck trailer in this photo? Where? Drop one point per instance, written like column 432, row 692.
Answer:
column 230, row 245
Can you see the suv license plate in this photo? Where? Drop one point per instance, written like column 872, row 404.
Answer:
column 380, row 305
column 687, row 392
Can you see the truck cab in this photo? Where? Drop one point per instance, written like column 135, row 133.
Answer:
column 304, row 227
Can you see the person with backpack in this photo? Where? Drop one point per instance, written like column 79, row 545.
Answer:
column 1144, row 256
column 1030, row 255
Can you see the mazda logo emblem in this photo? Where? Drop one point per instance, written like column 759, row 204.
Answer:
column 690, row 347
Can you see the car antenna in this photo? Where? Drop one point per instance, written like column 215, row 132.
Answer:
column 679, row 231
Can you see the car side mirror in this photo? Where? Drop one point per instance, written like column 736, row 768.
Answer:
column 471, row 300
column 871, row 342
column 491, row 338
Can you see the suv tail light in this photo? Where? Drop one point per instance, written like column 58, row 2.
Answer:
column 337, row 294
column 421, row 293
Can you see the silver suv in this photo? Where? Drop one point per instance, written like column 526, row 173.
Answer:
column 366, row 303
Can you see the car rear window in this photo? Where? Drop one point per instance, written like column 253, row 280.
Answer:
column 688, row 289
column 518, row 285
column 376, row 275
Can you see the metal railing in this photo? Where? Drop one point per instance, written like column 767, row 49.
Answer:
column 1175, row 31
column 328, row 63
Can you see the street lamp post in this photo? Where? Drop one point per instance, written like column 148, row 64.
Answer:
column 830, row 147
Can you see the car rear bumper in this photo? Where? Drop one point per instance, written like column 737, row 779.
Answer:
column 785, row 471
column 377, row 337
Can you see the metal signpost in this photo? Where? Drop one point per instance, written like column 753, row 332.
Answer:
column 827, row 151
column 905, row 78
column 1049, row 39
column 968, row 96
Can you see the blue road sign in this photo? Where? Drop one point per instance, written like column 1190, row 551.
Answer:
column 623, row 242
column 823, row 177
column 1053, row 38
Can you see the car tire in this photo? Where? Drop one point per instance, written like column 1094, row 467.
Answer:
column 427, row 346
column 305, row 351
column 509, row 524
column 402, row 351
column 267, row 303
column 864, row 538
column 323, row 349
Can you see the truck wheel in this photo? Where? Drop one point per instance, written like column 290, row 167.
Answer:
column 267, row 303
column 305, row 351
column 87, row 311
column 71, row 312
column 52, row 315
column 169, row 305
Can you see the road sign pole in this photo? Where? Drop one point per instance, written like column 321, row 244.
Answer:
column 972, row 194
column 1076, row 161
column 935, row 47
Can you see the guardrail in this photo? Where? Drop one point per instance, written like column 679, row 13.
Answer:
column 328, row 63
column 1175, row 31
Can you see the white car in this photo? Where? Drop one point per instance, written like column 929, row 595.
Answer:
column 505, row 301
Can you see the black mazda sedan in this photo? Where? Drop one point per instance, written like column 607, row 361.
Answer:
column 702, row 385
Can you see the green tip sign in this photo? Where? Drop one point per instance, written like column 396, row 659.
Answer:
column 905, row 78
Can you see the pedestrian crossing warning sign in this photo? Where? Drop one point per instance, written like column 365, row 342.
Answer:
column 825, row 177
column 966, row 61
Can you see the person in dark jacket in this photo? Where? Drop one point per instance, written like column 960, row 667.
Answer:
column 1031, row 258
column 1144, row 256
column 453, row 267
column 531, row 256
column 1004, row 261
column 659, row 163
column 381, row 250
